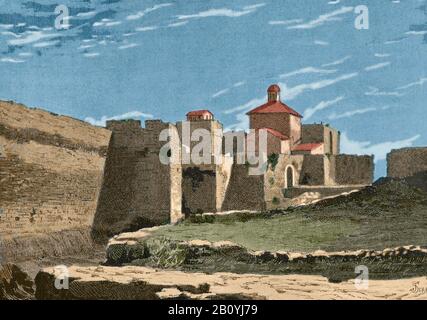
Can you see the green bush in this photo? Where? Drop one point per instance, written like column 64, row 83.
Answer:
column 164, row 253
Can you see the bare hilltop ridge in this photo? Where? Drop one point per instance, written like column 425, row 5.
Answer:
column 51, row 173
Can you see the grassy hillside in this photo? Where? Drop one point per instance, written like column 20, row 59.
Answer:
column 388, row 214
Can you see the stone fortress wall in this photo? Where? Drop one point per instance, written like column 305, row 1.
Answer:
column 138, row 190
column 51, row 169
column 407, row 162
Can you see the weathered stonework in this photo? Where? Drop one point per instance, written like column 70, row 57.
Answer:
column 51, row 170
column 407, row 162
column 319, row 133
column 138, row 190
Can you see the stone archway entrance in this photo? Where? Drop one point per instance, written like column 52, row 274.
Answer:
column 289, row 177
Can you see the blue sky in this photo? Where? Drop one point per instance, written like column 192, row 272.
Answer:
column 159, row 59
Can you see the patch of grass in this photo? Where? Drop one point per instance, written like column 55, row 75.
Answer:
column 164, row 253
column 279, row 232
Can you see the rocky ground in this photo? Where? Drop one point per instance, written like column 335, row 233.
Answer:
column 15, row 283
column 146, row 283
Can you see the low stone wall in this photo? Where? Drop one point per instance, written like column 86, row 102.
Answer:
column 407, row 162
column 352, row 169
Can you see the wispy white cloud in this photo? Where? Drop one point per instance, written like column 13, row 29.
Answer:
column 309, row 112
column 10, row 33
column 290, row 93
column 247, row 106
column 224, row 91
column 349, row 114
column 306, row 70
column 416, row 33
column 25, row 54
column 378, row 66
column 395, row 40
column 148, row 28
column 242, row 123
column 379, row 150
column 382, row 55
column 177, row 24
column 107, row 23
column 336, row 62
column 334, row 2
column 6, row 26
column 128, row 46
column 91, row 54
column 12, row 60
column 45, row 44
column 254, row 6
column 129, row 115
column 420, row 82
column 293, row 92
column 223, row 12
column 86, row 14
column 321, row 43
column 220, row 93
column 86, row 46
column 31, row 37
column 322, row 19
column 377, row 92
column 239, row 84
column 140, row 14
column 284, row 22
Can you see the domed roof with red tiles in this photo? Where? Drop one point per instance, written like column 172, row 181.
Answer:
column 274, row 106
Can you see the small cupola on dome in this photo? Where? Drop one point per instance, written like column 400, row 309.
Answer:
column 273, row 92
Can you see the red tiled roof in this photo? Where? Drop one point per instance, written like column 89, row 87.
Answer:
column 276, row 133
column 306, row 146
column 274, row 107
column 198, row 112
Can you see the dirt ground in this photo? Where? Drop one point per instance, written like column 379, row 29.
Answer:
column 146, row 283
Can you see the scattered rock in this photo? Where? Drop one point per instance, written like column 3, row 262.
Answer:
column 15, row 284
